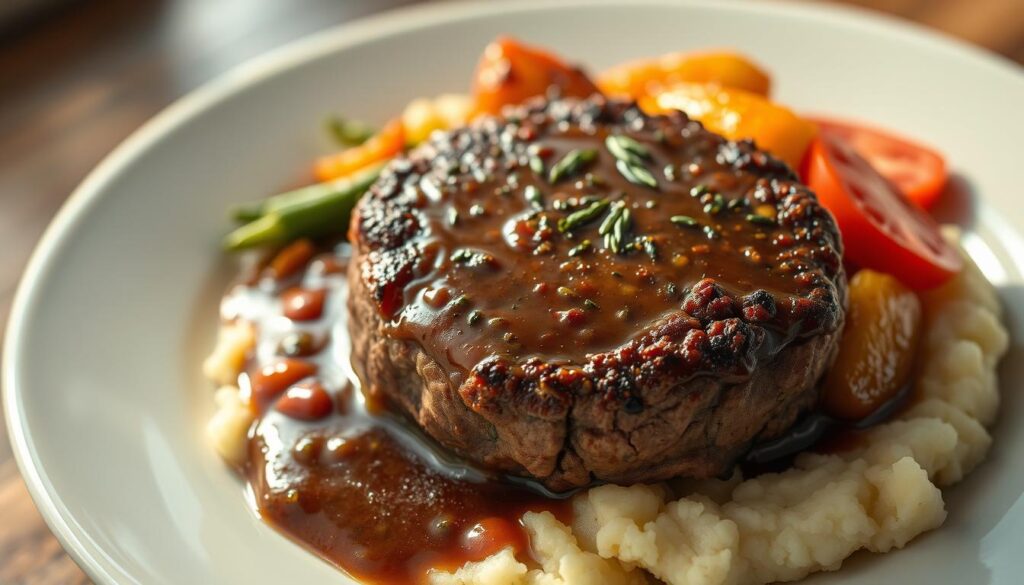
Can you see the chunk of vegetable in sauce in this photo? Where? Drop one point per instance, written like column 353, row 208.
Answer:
column 269, row 381
column 876, row 353
column 292, row 258
column 303, row 304
column 305, row 401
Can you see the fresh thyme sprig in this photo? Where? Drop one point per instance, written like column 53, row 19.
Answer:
column 630, row 157
column 573, row 162
column 582, row 216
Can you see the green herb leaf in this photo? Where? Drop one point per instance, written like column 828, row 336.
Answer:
column 582, row 216
column 537, row 165
column 715, row 205
column 533, row 196
column 626, row 149
column 760, row 219
column 613, row 216
column 736, row 204
column 636, row 174
column 580, row 248
column 348, row 132
column 684, row 221
column 571, row 163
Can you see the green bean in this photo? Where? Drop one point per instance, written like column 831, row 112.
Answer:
column 311, row 211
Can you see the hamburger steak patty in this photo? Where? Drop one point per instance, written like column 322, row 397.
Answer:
column 579, row 292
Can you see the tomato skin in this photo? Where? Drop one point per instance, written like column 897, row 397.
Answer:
column 303, row 304
column 917, row 171
column 510, row 72
column 881, row 229
column 305, row 401
column 268, row 382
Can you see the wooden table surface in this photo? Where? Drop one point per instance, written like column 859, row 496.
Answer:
column 78, row 78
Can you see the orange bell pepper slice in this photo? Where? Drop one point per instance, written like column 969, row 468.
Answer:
column 738, row 114
column 643, row 77
column 383, row 145
column 510, row 72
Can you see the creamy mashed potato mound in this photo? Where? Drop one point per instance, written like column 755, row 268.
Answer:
column 876, row 496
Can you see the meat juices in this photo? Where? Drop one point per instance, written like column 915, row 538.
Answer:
column 579, row 292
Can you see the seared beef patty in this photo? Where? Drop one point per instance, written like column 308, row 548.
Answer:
column 580, row 292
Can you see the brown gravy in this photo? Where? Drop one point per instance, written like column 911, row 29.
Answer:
column 503, row 281
column 365, row 503
column 363, row 492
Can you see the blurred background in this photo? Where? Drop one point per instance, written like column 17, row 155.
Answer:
column 78, row 76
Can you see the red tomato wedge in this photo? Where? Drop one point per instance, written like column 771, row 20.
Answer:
column 917, row 171
column 510, row 72
column 881, row 229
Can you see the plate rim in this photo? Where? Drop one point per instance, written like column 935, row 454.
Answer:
column 89, row 555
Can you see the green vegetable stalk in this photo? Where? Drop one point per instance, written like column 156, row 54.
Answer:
column 311, row 211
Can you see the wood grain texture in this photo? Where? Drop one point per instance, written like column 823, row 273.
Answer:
column 79, row 78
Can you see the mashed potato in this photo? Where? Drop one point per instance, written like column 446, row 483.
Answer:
column 781, row 527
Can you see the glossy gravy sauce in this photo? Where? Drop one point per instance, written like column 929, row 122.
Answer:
column 525, row 289
column 359, row 487
column 363, row 491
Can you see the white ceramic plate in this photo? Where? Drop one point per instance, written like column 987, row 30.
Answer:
column 103, row 396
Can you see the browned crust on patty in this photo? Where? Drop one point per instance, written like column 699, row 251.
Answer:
column 685, row 397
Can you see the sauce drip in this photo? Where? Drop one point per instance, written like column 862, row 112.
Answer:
column 362, row 501
column 363, row 492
